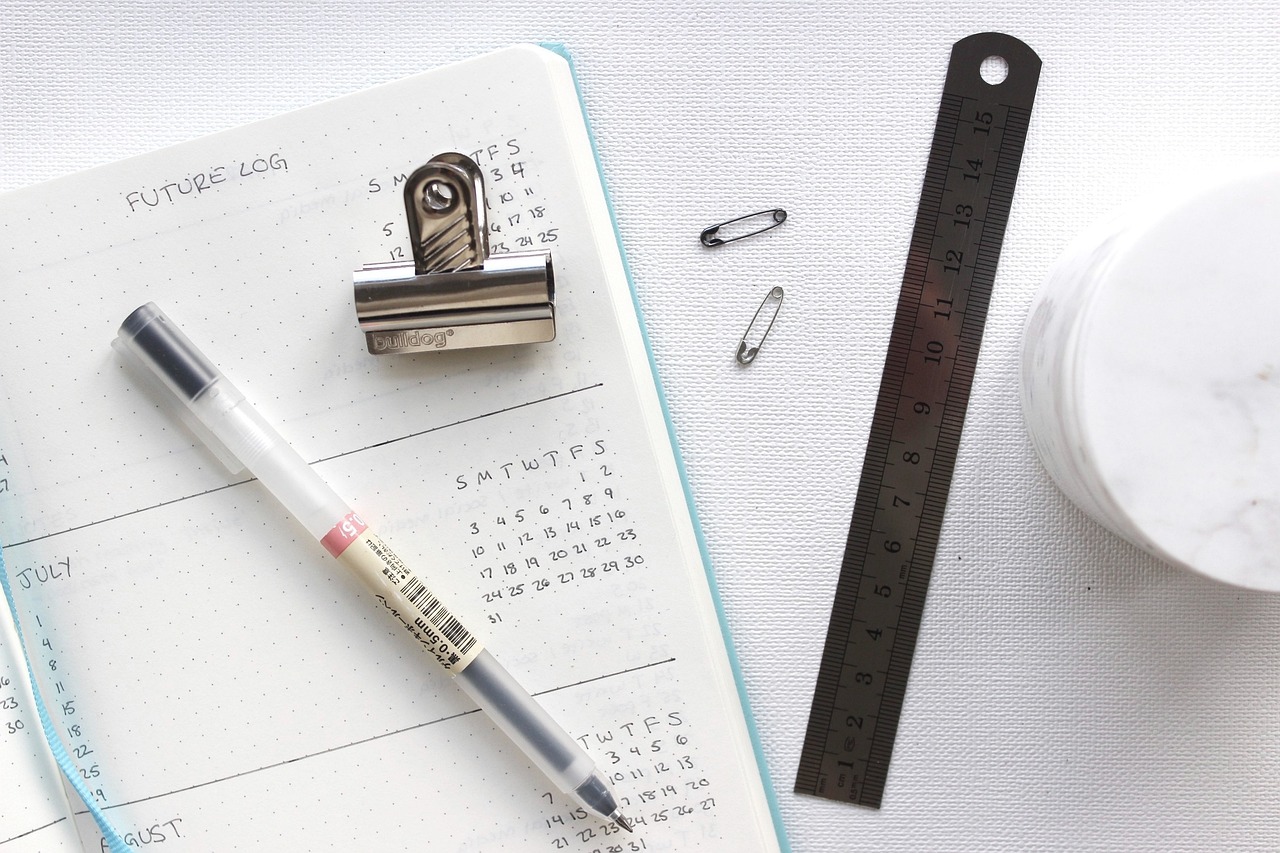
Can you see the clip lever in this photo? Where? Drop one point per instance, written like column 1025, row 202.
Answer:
column 454, row 295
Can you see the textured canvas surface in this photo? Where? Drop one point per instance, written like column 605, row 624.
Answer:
column 1069, row 692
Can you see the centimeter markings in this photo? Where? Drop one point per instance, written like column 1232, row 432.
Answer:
column 915, row 431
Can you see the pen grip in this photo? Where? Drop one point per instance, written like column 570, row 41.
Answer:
column 525, row 721
column 475, row 670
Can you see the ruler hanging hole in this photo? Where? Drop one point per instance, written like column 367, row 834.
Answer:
column 994, row 70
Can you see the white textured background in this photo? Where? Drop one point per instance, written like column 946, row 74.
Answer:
column 1069, row 693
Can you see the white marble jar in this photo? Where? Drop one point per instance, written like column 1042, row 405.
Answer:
column 1151, row 377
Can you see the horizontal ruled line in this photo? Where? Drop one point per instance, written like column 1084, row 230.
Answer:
column 345, row 453
column 32, row 831
column 371, row 739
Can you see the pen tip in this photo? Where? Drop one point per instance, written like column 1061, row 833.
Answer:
column 622, row 821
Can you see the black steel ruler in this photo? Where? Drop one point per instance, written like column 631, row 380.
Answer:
column 915, row 431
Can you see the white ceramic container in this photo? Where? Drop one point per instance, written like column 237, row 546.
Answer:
column 1151, row 377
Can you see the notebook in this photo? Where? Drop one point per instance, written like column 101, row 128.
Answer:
column 216, row 680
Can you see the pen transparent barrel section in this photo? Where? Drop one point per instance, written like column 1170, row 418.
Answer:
column 270, row 458
column 525, row 722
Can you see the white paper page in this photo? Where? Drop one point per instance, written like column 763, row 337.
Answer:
column 34, row 814
column 235, row 687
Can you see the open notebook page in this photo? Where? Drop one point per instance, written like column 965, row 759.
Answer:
column 232, row 687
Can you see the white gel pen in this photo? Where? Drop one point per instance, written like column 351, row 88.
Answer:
column 240, row 437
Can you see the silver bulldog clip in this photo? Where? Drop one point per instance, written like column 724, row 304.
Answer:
column 454, row 295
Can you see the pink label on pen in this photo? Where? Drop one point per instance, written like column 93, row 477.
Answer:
column 343, row 534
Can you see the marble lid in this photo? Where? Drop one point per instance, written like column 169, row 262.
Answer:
column 1178, row 389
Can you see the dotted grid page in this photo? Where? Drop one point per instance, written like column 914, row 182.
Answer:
column 222, row 682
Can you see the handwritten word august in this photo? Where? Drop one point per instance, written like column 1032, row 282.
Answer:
column 194, row 185
column 154, row 834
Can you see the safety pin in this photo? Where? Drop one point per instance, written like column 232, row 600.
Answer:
column 710, row 238
column 747, row 354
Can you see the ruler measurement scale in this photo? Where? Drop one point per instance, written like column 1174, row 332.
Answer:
column 919, row 415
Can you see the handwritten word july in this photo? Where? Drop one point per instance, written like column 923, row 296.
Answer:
column 45, row 574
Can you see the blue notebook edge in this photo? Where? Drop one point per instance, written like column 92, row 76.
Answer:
column 761, row 763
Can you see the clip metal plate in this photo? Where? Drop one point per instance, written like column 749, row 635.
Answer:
column 453, row 295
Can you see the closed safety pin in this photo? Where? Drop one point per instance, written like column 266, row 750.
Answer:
column 710, row 236
column 747, row 354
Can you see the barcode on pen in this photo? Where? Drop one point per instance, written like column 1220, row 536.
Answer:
column 439, row 616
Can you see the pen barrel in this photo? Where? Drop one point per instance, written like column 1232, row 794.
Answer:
column 225, row 420
column 270, row 459
column 526, row 722
column 237, row 433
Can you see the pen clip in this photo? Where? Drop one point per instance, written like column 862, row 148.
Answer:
column 747, row 354
column 166, row 398
column 711, row 236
